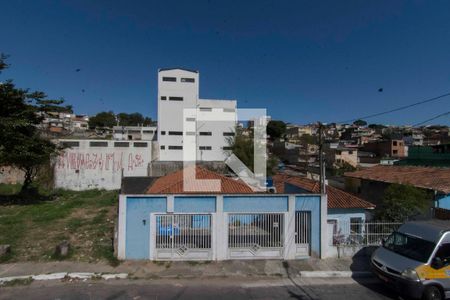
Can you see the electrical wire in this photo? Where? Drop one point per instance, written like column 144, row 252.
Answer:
column 431, row 119
column 398, row 108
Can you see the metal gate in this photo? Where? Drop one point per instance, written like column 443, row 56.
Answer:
column 255, row 235
column 184, row 236
column 303, row 233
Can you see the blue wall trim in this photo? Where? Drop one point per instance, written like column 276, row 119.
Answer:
column 255, row 204
column 195, row 204
column 443, row 201
column 137, row 241
column 312, row 204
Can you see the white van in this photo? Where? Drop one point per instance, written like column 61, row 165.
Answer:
column 415, row 260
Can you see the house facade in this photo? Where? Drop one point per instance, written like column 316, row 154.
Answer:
column 158, row 220
column 346, row 213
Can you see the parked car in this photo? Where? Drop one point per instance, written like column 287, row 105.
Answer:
column 415, row 260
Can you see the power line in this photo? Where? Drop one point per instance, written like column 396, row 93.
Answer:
column 398, row 108
column 431, row 119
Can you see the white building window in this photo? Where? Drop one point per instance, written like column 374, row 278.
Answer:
column 173, row 79
column 173, row 98
column 175, row 132
column 187, row 79
column 175, row 147
column 209, row 133
column 228, row 134
column 205, row 148
column 205, row 109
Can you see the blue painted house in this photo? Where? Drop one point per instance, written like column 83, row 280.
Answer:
column 213, row 217
column 344, row 210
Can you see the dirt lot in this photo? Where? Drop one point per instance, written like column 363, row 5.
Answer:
column 85, row 219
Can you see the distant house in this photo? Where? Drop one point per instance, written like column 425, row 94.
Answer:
column 386, row 148
column 337, row 155
column 345, row 212
column 342, row 206
column 144, row 133
column 371, row 183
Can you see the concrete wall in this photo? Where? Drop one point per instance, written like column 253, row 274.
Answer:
column 443, row 201
column 92, row 164
column 10, row 175
column 136, row 237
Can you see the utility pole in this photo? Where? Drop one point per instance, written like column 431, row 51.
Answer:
column 321, row 161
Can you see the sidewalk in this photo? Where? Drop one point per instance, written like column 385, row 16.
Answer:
column 234, row 268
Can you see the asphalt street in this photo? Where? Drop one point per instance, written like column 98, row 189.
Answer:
column 235, row 289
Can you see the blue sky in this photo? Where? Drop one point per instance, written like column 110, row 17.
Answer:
column 302, row 60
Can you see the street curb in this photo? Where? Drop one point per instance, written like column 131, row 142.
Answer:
column 335, row 274
column 109, row 276
column 65, row 275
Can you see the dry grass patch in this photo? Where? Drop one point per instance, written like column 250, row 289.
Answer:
column 86, row 219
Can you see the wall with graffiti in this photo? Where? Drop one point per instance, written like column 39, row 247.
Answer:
column 91, row 164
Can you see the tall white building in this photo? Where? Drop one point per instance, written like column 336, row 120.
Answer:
column 179, row 89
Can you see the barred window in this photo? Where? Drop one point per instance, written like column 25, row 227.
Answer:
column 98, row 144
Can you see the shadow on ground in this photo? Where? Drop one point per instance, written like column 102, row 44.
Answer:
column 361, row 262
column 29, row 196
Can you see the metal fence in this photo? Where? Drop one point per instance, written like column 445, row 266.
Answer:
column 186, row 231
column 302, row 227
column 255, row 230
column 360, row 233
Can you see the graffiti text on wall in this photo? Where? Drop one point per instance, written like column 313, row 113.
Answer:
column 99, row 161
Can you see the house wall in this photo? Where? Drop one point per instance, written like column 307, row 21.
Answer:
column 310, row 203
column 342, row 216
column 138, row 224
column 84, row 166
column 136, row 237
column 443, row 201
column 371, row 191
column 255, row 204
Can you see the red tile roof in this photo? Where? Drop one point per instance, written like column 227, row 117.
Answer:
column 336, row 198
column 437, row 179
column 173, row 183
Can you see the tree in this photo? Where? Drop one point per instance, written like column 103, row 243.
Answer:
column 307, row 139
column 102, row 119
column 242, row 146
column 360, row 123
column 134, row 119
column 52, row 105
column 401, row 202
column 21, row 145
column 276, row 129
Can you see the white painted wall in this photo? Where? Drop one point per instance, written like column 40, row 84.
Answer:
column 87, row 167
column 170, row 117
